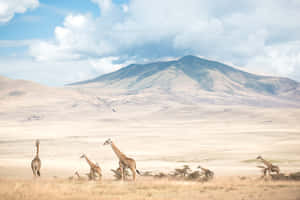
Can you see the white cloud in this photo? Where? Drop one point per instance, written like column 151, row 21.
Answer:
column 243, row 33
column 105, row 65
column 104, row 5
column 8, row 8
column 125, row 8
column 72, row 41
column 279, row 60
column 15, row 43
column 56, row 73
column 47, row 51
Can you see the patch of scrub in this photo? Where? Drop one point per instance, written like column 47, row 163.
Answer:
column 16, row 93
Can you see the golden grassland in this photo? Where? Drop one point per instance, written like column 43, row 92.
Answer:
column 149, row 188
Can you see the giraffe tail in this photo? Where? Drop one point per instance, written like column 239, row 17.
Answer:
column 38, row 173
column 137, row 171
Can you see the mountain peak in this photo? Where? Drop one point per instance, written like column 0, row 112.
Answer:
column 198, row 73
column 189, row 57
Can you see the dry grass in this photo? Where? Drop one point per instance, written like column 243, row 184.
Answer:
column 149, row 188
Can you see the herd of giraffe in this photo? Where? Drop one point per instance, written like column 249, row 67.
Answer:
column 126, row 162
column 95, row 170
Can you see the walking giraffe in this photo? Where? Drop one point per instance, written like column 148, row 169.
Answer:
column 269, row 166
column 124, row 161
column 36, row 162
column 94, row 168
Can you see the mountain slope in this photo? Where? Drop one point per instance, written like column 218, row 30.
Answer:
column 200, row 74
column 21, row 99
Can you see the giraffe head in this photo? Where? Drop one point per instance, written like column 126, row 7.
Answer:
column 82, row 156
column 107, row 142
column 258, row 157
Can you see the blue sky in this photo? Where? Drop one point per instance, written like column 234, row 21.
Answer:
column 40, row 22
column 55, row 42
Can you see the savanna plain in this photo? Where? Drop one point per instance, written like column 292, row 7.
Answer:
column 159, row 136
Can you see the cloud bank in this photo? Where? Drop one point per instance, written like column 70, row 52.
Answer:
column 8, row 8
column 263, row 36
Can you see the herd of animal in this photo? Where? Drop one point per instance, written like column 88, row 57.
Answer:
column 95, row 170
column 129, row 163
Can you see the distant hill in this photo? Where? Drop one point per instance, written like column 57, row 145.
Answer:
column 187, row 88
column 195, row 73
column 14, row 88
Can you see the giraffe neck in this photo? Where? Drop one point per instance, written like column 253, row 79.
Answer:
column 37, row 150
column 119, row 154
column 266, row 162
column 89, row 162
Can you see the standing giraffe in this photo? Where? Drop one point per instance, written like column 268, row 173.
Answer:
column 36, row 162
column 124, row 161
column 269, row 166
column 94, row 168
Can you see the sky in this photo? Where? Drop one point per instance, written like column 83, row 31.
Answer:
column 56, row 42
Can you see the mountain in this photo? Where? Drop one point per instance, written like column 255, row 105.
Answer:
column 187, row 88
column 198, row 74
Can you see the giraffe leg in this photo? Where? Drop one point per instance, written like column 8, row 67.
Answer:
column 133, row 173
column 265, row 172
column 122, row 171
column 90, row 174
column 35, row 172
column 93, row 175
column 33, row 169
column 99, row 173
column 122, row 174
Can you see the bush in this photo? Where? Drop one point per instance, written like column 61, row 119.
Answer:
column 194, row 175
column 117, row 173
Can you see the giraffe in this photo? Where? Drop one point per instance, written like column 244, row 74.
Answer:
column 94, row 168
column 36, row 162
column 124, row 161
column 269, row 166
column 207, row 173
